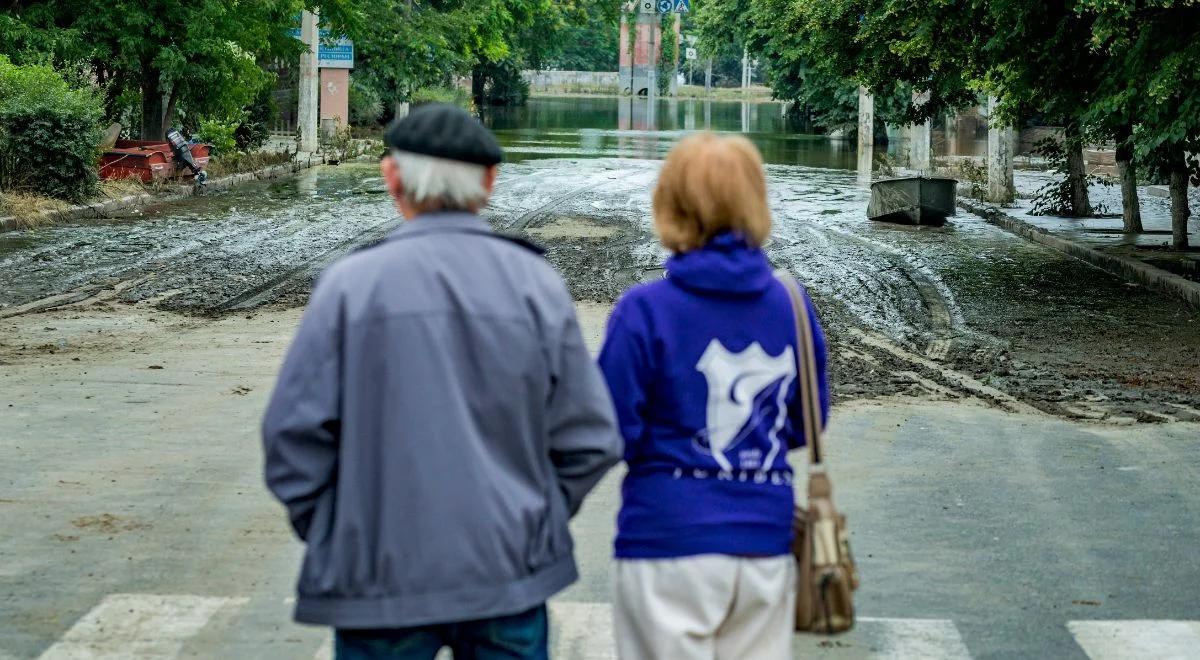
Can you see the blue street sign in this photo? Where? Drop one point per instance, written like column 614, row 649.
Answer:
column 664, row 6
column 683, row 6
column 331, row 54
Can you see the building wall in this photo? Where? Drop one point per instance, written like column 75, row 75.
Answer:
column 335, row 97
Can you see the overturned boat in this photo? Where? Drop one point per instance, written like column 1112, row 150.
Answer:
column 916, row 200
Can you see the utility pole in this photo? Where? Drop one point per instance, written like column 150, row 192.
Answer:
column 920, row 150
column 309, row 82
column 866, row 134
column 1000, row 188
column 745, row 68
column 652, row 69
column 675, row 32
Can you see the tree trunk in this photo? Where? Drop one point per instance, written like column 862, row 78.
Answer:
column 1179, row 202
column 169, row 114
column 708, row 77
column 152, row 105
column 477, row 86
column 1131, row 208
column 1081, row 206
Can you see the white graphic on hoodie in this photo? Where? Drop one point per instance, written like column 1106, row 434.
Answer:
column 738, row 388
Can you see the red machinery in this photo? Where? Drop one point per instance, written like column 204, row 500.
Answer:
column 150, row 160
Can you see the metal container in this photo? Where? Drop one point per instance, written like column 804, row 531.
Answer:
column 914, row 200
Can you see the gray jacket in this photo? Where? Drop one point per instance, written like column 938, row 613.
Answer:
column 436, row 423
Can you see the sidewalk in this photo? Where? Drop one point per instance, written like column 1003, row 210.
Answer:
column 1146, row 258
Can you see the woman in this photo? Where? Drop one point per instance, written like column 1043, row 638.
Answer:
column 702, row 369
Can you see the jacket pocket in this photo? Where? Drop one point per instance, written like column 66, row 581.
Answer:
column 552, row 537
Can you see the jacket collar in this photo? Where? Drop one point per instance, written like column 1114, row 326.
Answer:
column 441, row 222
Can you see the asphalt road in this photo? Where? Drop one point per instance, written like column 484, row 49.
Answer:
column 136, row 524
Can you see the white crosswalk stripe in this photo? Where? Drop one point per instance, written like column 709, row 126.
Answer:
column 160, row 627
column 1145, row 640
column 137, row 627
column 889, row 639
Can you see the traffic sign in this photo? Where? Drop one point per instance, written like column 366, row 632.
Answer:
column 649, row 6
column 690, row 53
column 683, row 6
column 664, row 6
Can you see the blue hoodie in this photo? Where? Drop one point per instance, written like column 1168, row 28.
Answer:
column 701, row 366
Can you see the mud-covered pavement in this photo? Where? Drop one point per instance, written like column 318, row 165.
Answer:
column 966, row 311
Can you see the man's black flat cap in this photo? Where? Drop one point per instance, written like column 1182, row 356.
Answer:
column 444, row 131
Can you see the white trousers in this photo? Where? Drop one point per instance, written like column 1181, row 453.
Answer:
column 708, row 607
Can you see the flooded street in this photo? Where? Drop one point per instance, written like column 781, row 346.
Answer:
column 991, row 396
column 966, row 311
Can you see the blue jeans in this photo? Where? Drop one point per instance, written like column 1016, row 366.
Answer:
column 522, row 636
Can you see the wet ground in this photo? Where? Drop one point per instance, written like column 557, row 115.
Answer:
column 966, row 311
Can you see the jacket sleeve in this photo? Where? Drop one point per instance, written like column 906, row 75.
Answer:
column 302, row 425
column 625, row 362
column 820, row 351
column 584, row 442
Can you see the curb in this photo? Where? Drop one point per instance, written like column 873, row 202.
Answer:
column 174, row 192
column 1125, row 267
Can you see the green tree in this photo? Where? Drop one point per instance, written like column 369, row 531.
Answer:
column 1150, row 76
column 171, row 54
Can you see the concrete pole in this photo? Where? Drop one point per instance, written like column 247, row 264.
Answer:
column 652, row 74
column 866, row 133
column 676, row 31
column 745, row 68
column 921, row 147
column 999, row 158
column 309, row 83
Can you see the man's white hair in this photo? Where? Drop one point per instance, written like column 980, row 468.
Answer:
column 440, row 183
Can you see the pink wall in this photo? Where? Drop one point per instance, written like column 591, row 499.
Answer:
column 335, row 99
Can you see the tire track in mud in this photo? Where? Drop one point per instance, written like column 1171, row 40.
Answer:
column 929, row 334
column 275, row 287
column 303, row 273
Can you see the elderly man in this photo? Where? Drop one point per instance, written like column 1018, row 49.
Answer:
column 437, row 421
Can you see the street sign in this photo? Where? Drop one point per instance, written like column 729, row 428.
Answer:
column 690, row 53
column 666, row 6
column 336, row 54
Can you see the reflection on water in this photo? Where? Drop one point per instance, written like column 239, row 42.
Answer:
column 627, row 127
column 635, row 128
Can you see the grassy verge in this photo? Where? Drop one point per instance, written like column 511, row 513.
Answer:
column 238, row 163
column 30, row 210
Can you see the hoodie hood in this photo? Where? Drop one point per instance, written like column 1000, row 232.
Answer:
column 727, row 265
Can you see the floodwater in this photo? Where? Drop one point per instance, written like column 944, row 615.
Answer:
column 635, row 128
column 962, row 312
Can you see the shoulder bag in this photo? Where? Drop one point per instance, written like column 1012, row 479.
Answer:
column 826, row 576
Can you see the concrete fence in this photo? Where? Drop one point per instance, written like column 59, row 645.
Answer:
column 572, row 81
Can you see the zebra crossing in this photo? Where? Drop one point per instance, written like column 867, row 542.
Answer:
column 161, row 627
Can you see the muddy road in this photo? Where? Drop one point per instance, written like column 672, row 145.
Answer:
column 966, row 311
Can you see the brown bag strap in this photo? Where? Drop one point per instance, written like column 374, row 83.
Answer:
column 806, row 374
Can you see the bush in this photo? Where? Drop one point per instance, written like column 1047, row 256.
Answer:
column 1054, row 198
column 503, row 83
column 255, row 128
column 366, row 104
column 451, row 95
column 49, row 133
column 222, row 135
